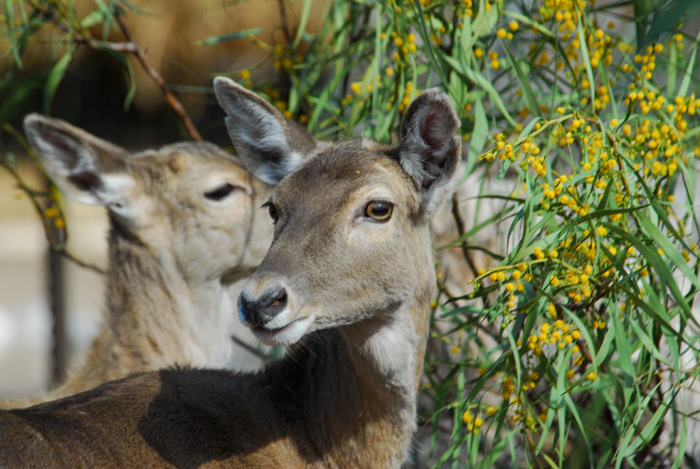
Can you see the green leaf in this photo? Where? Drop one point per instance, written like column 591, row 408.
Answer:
column 93, row 18
column 642, row 8
column 668, row 19
column 524, row 82
column 669, row 249
column 478, row 79
column 301, row 27
column 15, row 97
column 244, row 33
column 685, row 84
column 479, row 135
column 54, row 79
column 119, row 57
column 9, row 17
column 485, row 21
column 586, row 60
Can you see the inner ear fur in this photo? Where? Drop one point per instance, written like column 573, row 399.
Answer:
column 76, row 160
column 270, row 145
column 429, row 143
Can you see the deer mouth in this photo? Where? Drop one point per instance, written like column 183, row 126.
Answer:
column 285, row 335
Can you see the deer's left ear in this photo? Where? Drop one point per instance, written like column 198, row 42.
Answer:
column 270, row 145
column 430, row 146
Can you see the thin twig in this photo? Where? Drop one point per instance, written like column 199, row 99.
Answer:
column 169, row 97
column 461, row 230
column 283, row 17
column 71, row 257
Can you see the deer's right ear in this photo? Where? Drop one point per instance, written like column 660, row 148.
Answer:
column 88, row 169
column 270, row 145
column 430, row 146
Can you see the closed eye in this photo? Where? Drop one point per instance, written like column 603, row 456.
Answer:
column 220, row 192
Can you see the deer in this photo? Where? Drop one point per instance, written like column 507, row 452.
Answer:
column 346, row 286
column 185, row 225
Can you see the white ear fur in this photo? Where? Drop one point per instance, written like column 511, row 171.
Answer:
column 430, row 147
column 270, row 145
column 89, row 170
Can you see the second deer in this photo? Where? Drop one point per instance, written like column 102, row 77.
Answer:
column 184, row 225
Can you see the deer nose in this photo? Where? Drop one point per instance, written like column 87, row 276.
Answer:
column 257, row 312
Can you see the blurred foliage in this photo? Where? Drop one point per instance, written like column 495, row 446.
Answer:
column 586, row 111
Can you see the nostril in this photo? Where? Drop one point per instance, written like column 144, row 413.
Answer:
column 279, row 298
column 257, row 312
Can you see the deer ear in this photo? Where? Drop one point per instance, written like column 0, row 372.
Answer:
column 429, row 146
column 270, row 145
column 87, row 169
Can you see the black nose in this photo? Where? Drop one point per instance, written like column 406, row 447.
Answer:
column 257, row 312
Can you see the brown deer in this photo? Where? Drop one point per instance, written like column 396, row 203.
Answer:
column 184, row 225
column 346, row 285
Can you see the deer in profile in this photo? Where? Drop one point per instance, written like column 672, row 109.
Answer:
column 346, row 285
column 184, row 225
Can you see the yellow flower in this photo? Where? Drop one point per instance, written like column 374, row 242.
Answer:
column 52, row 212
column 513, row 25
column 467, row 417
column 501, row 33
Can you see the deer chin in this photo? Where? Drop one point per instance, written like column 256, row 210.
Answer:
column 287, row 334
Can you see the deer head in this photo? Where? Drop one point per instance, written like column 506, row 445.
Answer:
column 178, row 200
column 351, row 224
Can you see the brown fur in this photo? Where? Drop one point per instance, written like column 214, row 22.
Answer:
column 345, row 394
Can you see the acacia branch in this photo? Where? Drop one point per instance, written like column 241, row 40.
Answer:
column 456, row 214
column 131, row 47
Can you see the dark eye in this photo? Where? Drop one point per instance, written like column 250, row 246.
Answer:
column 272, row 210
column 220, row 192
column 379, row 210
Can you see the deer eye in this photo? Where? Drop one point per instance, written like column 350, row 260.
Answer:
column 220, row 192
column 272, row 210
column 379, row 210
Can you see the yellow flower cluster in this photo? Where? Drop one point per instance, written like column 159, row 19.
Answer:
column 567, row 11
column 557, row 334
column 54, row 213
column 505, row 150
column 472, row 422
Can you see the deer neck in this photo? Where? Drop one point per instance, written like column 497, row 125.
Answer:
column 154, row 316
column 363, row 385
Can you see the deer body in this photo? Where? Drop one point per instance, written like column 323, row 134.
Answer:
column 346, row 286
column 183, row 228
